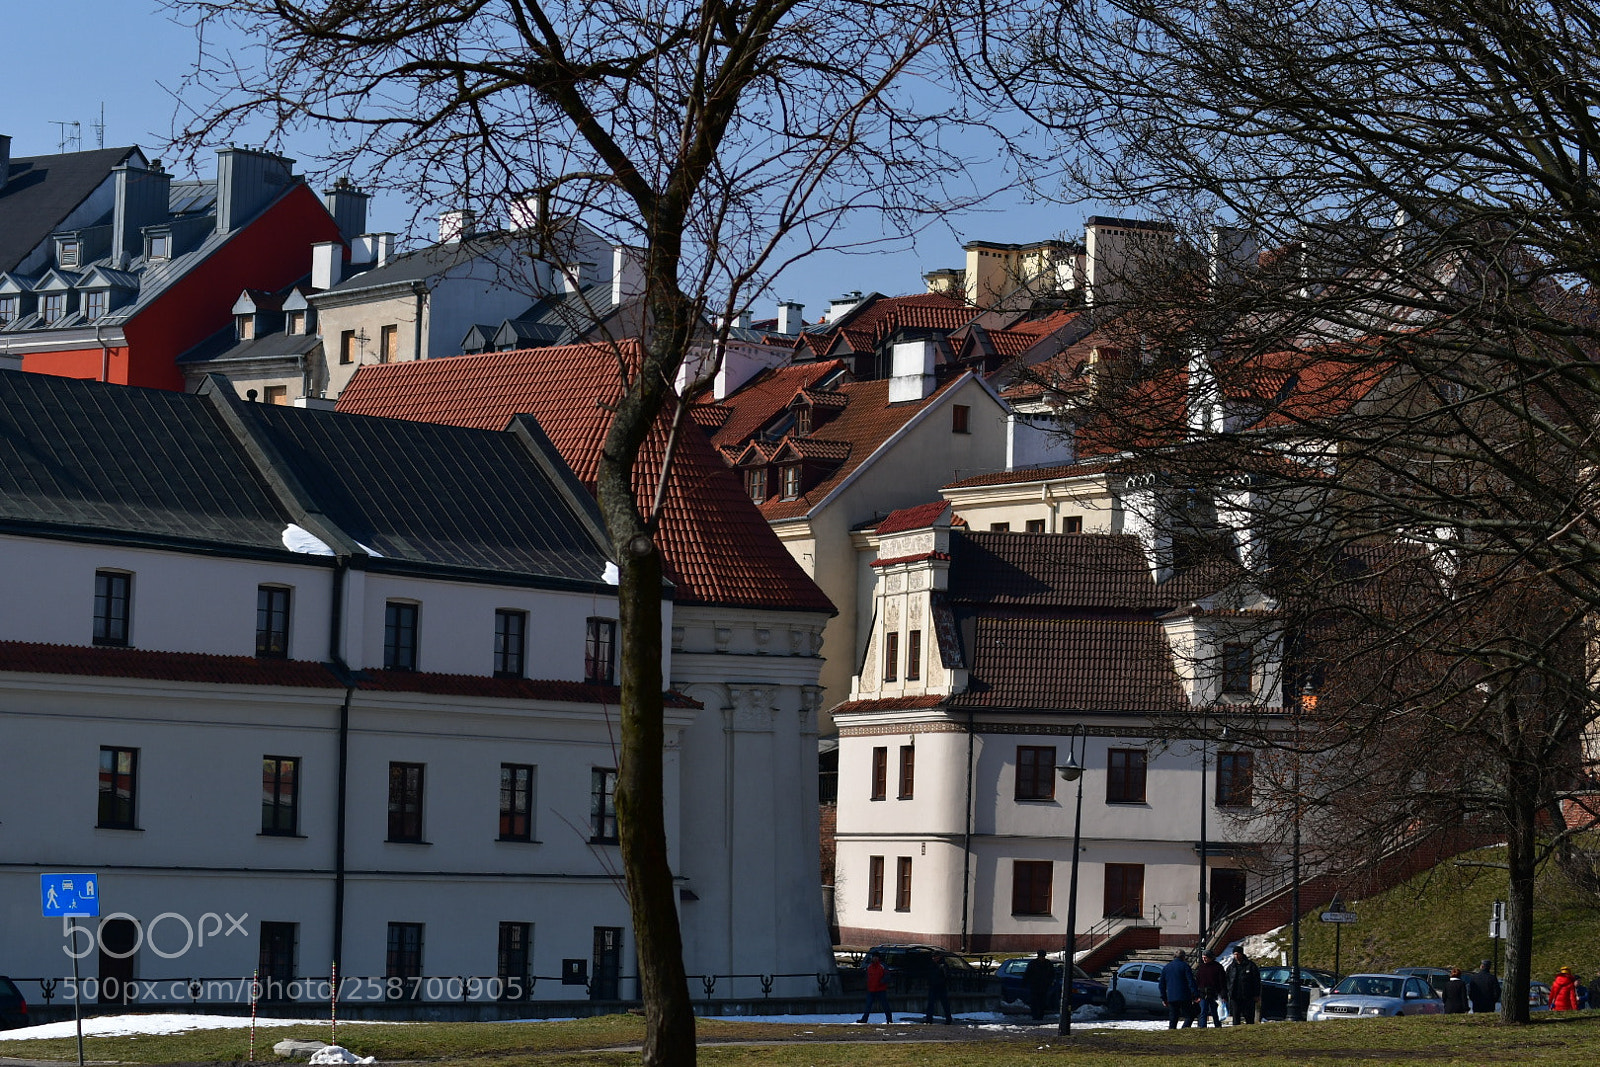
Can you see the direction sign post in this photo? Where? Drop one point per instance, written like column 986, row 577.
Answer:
column 1338, row 916
column 71, row 896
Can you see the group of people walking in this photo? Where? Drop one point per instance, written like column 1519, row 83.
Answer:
column 1200, row 990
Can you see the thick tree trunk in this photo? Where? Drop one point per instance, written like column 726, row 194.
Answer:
column 641, row 826
column 1521, row 855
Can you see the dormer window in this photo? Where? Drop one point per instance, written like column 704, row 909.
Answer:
column 68, row 250
column 802, row 421
column 96, row 302
column 791, row 481
column 295, row 323
column 755, row 483
column 52, row 307
column 158, row 246
column 10, row 307
column 244, row 327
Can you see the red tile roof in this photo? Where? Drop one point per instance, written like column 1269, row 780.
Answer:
column 1071, row 665
column 867, row 421
column 888, row 704
column 882, row 316
column 1025, row 475
column 93, row 661
column 764, row 396
column 917, row 518
column 717, row 547
column 1107, row 572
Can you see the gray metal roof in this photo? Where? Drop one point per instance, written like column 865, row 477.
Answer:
column 41, row 191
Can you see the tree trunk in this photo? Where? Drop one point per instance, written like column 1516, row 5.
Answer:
column 1521, row 859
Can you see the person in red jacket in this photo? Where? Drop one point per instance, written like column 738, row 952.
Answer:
column 1564, row 991
column 877, row 988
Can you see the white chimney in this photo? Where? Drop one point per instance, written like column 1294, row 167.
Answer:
column 526, row 211
column 627, row 274
column 1233, row 251
column 574, row 276
column 454, row 225
column 327, row 264
column 913, row 371
column 790, row 318
column 371, row 249
column 840, row 305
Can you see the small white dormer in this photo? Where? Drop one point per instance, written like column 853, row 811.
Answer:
column 103, row 290
column 69, row 251
column 16, row 298
column 299, row 317
column 57, row 297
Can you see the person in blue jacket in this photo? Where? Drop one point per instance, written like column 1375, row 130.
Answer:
column 1179, row 991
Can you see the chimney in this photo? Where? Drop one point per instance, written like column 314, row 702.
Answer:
column 913, row 371
column 247, row 181
column 841, row 305
column 348, row 206
column 574, row 276
column 457, row 224
column 371, row 250
column 790, row 318
column 1115, row 250
column 327, row 264
column 5, row 159
column 627, row 274
column 528, row 209
column 1233, row 250
column 140, row 200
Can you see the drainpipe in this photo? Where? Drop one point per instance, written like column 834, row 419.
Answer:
column 105, row 356
column 341, row 568
column 421, row 291
column 966, row 845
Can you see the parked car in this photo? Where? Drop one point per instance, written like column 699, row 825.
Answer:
column 1538, row 996
column 1434, row 976
column 1275, row 989
column 13, row 1007
column 909, row 963
column 1013, row 990
column 1136, row 986
column 1361, row 996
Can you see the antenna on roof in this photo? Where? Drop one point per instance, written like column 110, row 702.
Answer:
column 75, row 138
column 100, row 127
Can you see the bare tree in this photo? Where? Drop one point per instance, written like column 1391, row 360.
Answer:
column 723, row 139
column 1361, row 371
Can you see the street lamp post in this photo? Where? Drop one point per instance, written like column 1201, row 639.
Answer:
column 1297, row 1014
column 1205, row 914
column 1072, row 771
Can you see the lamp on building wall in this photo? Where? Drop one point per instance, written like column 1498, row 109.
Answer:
column 1072, row 771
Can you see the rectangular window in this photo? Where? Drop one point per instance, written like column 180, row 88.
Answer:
column 1125, row 776
column 399, row 636
column 403, row 960
column 244, row 327
column 603, row 806
column 96, row 303
column 1030, row 886
column 891, row 656
column 276, row 394
column 1034, row 526
column 875, row 883
column 9, row 307
column 159, row 246
column 295, row 323
column 1124, row 890
column 880, row 773
column 802, row 421
column 600, row 652
column 908, row 771
column 1236, row 669
column 791, row 481
column 1235, row 779
column 515, row 960
column 510, row 630
column 755, row 483
column 1072, row 524
column 388, row 344
column 914, row 656
column 405, row 802
column 902, row 884
column 999, row 527
column 516, row 802
column 119, row 788
column 347, row 346
column 1036, row 772
column 67, row 253
column 112, row 607
column 960, row 416
column 52, row 307
column 280, row 795
column 272, row 621
column 275, row 959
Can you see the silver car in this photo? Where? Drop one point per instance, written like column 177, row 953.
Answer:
column 1361, row 996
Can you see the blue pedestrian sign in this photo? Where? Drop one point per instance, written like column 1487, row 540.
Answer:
column 69, row 895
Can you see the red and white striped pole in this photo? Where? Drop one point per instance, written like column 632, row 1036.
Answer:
column 333, row 1008
column 255, row 992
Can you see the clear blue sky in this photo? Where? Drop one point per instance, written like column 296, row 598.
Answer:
column 65, row 58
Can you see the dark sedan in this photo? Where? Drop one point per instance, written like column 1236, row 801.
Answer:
column 1013, row 989
column 1275, row 989
column 13, row 1008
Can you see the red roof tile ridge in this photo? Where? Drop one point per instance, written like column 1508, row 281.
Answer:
column 26, row 657
column 912, row 518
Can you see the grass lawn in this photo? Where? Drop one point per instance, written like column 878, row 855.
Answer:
column 1551, row 1039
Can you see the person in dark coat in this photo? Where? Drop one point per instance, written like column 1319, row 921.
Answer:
column 1212, row 979
column 1244, row 987
column 1038, row 976
column 1483, row 989
column 1179, row 992
column 938, row 990
column 1455, row 993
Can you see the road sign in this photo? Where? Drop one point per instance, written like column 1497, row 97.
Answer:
column 1338, row 916
column 1497, row 920
column 62, row 895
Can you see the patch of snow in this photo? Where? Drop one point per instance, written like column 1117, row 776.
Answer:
column 374, row 553
column 611, row 576
column 339, row 1054
column 133, row 1025
column 299, row 539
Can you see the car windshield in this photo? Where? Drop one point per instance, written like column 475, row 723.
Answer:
column 1370, row 985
